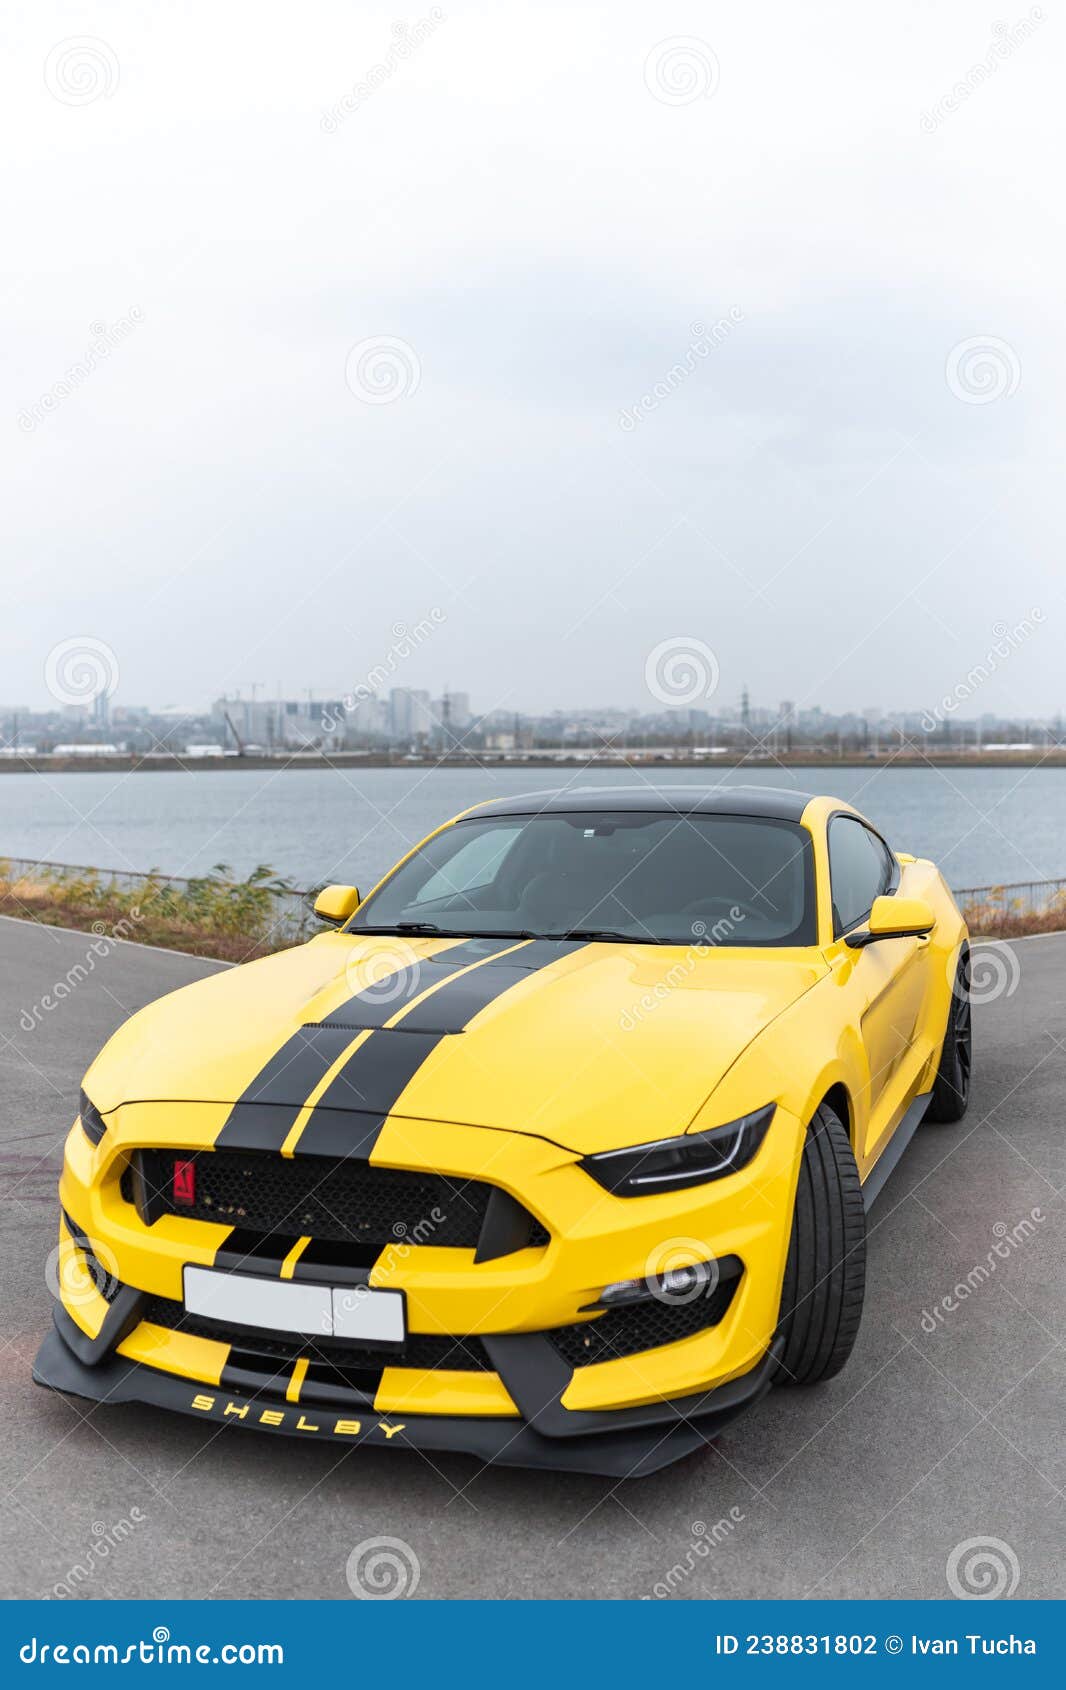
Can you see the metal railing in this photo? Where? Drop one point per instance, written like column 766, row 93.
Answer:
column 1019, row 897
column 284, row 914
column 275, row 911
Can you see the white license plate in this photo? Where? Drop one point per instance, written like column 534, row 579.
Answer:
column 285, row 1305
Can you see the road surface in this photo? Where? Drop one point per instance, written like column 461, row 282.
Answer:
column 941, row 1430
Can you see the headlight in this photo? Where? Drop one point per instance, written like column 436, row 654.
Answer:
column 93, row 1124
column 670, row 1164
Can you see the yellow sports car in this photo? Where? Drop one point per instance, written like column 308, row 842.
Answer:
column 556, row 1150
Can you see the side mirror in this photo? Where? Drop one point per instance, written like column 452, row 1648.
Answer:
column 336, row 904
column 894, row 918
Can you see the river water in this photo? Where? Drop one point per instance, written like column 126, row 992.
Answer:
column 982, row 826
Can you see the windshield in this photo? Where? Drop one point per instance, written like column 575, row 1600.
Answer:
column 655, row 878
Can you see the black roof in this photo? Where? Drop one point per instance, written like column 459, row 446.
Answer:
column 781, row 803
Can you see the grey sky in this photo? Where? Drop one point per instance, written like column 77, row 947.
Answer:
column 530, row 203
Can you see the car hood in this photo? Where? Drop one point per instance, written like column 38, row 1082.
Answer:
column 590, row 1045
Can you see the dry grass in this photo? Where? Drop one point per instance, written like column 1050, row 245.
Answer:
column 232, row 921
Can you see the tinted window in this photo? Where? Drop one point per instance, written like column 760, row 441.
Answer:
column 860, row 869
column 660, row 878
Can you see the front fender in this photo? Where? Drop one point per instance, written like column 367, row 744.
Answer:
column 807, row 1051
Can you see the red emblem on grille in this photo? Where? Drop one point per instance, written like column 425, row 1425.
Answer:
column 184, row 1182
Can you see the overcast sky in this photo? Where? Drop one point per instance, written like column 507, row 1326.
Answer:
column 841, row 228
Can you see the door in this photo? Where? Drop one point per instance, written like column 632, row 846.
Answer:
column 887, row 978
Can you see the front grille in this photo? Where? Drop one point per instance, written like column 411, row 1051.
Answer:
column 349, row 1202
column 640, row 1326
column 618, row 1332
column 420, row 1350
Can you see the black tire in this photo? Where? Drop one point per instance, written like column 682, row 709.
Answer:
column 951, row 1088
column 825, row 1276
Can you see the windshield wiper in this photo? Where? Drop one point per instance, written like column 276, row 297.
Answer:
column 431, row 928
column 608, row 934
column 403, row 927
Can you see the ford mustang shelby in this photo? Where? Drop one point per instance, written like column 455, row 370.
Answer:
column 556, row 1149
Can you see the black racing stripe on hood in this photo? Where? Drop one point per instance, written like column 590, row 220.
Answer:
column 258, row 1120
column 375, row 1076
column 383, row 999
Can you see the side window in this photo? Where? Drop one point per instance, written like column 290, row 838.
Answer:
column 860, row 869
column 474, row 865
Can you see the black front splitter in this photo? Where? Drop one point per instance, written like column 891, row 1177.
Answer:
column 632, row 1451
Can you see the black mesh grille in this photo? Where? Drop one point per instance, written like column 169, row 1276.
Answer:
column 421, row 1350
column 347, row 1202
column 641, row 1326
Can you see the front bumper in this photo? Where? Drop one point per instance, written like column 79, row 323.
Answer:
column 533, row 1394
column 619, row 1445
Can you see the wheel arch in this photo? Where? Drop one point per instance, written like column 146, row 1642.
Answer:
column 839, row 1101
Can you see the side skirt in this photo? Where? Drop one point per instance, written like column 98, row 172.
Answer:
column 878, row 1176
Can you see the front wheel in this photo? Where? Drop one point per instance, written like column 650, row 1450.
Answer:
column 825, row 1276
column 951, row 1088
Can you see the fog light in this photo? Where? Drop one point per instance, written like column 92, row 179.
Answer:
column 679, row 1285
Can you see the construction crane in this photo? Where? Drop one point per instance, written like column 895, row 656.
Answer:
column 236, row 736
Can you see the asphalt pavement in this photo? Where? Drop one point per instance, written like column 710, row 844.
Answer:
column 934, row 1464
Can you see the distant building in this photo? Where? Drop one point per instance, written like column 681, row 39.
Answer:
column 411, row 714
